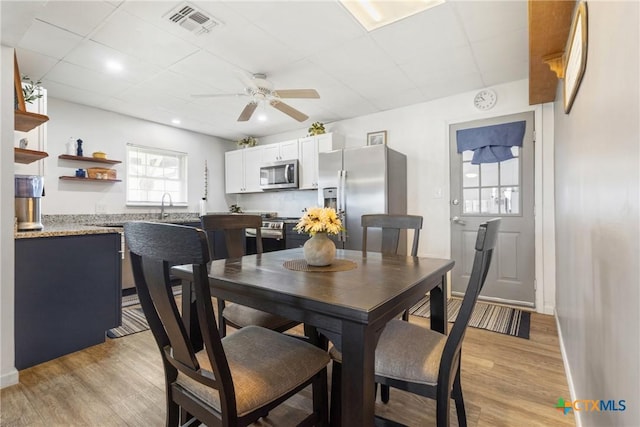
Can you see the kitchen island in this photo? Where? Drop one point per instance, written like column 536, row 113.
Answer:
column 67, row 290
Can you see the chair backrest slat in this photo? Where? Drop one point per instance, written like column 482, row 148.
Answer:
column 392, row 226
column 233, row 226
column 485, row 244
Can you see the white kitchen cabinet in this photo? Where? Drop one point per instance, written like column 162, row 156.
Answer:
column 242, row 170
column 286, row 150
column 309, row 149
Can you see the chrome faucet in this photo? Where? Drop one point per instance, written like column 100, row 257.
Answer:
column 163, row 214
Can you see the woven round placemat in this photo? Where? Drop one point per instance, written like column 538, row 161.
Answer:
column 336, row 265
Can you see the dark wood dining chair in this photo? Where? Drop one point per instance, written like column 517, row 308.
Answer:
column 235, row 380
column 422, row 361
column 236, row 315
column 392, row 227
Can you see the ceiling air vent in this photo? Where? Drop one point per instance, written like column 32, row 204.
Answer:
column 191, row 19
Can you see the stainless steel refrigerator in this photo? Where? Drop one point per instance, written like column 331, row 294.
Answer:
column 363, row 180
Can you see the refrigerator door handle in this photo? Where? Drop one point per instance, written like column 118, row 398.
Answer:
column 342, row 202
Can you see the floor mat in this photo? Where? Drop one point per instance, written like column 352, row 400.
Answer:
column 495, row 318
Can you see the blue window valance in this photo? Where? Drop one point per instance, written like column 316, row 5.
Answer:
column 491, row 144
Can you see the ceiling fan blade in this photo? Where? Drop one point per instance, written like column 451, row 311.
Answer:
column 289, row 110
column 247, row 112
column 297, row 93
column 217, row 95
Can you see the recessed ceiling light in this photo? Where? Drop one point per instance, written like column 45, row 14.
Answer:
column 176, row 121
column 114, row 66
column 372, row 14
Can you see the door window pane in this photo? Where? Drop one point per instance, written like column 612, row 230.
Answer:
column 470, row 202
column 490, row 202
column 489, row 173
column 467, row 155
column 470, row 175
column 510, row 200
column 510, row 172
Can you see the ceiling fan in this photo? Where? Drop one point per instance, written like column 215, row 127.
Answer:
column 259, row 89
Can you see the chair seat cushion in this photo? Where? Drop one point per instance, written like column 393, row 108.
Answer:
column 242, row 316
column 407, row 352
column 264, row 365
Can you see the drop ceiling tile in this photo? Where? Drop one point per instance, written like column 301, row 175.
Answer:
column 440, row 64
column 250, row 48
column 396, row 99
column 72, row 94
column 501, row 51
column 133, row 36
column 83, row 78
column 177, row 85
column 419, row 35
column 77, row 17
column 33, row 64
column 377, row 84
column 95, row 56
column 15, row 19
column 298, row 24
column 488, row 19
column 208, row 68
column 354, row 58
column 49, row 40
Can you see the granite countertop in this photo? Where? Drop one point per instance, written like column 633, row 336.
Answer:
column 65, row 230
column 78, row 225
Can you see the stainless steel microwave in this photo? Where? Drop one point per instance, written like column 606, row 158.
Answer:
column 279, row 175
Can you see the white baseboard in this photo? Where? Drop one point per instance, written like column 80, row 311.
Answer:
column 567, row 369
column 9, row 378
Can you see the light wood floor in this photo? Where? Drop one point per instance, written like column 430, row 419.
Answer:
column 507, row 381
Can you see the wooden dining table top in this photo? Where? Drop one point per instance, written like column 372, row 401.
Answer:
column 354, row 294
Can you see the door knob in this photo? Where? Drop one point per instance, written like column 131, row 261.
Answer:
column 457, row 219
column 455, row 202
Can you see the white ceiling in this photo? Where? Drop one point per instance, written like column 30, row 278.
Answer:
column 455, row 47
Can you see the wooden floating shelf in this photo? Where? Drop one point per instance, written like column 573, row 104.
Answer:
column 25, row 121
column 75, row 178
column 25, row 156
column 89, row 159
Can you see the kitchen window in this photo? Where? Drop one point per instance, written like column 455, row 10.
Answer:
column 152, row 172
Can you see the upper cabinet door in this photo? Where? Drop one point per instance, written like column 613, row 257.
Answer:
column 287, row 150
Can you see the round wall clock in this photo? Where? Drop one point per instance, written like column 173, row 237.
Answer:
column 485, row 99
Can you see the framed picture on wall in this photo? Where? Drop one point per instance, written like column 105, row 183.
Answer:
column 576, row 55
column 377, row 138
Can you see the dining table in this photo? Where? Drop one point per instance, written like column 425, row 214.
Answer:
column 354, row 303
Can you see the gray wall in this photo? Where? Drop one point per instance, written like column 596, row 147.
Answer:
column 597, row 218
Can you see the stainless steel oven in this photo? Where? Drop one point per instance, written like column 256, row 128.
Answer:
column 273, row 237
column 279, row 175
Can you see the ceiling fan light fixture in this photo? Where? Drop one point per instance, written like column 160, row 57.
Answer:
column 373, row 14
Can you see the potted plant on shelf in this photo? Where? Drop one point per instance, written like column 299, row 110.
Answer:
column 31, row 90
column 248, row 141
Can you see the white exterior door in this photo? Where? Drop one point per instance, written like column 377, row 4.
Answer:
column 488, row 190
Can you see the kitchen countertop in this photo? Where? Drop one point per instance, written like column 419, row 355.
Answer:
column 77, row 225
column 56, row 230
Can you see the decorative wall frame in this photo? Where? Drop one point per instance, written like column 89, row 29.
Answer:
column 377, row 138
column 575, row 60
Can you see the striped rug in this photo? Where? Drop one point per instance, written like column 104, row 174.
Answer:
column 133, row 321
column 496, row 318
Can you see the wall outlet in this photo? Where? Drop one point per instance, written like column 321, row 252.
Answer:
column 101, row 208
